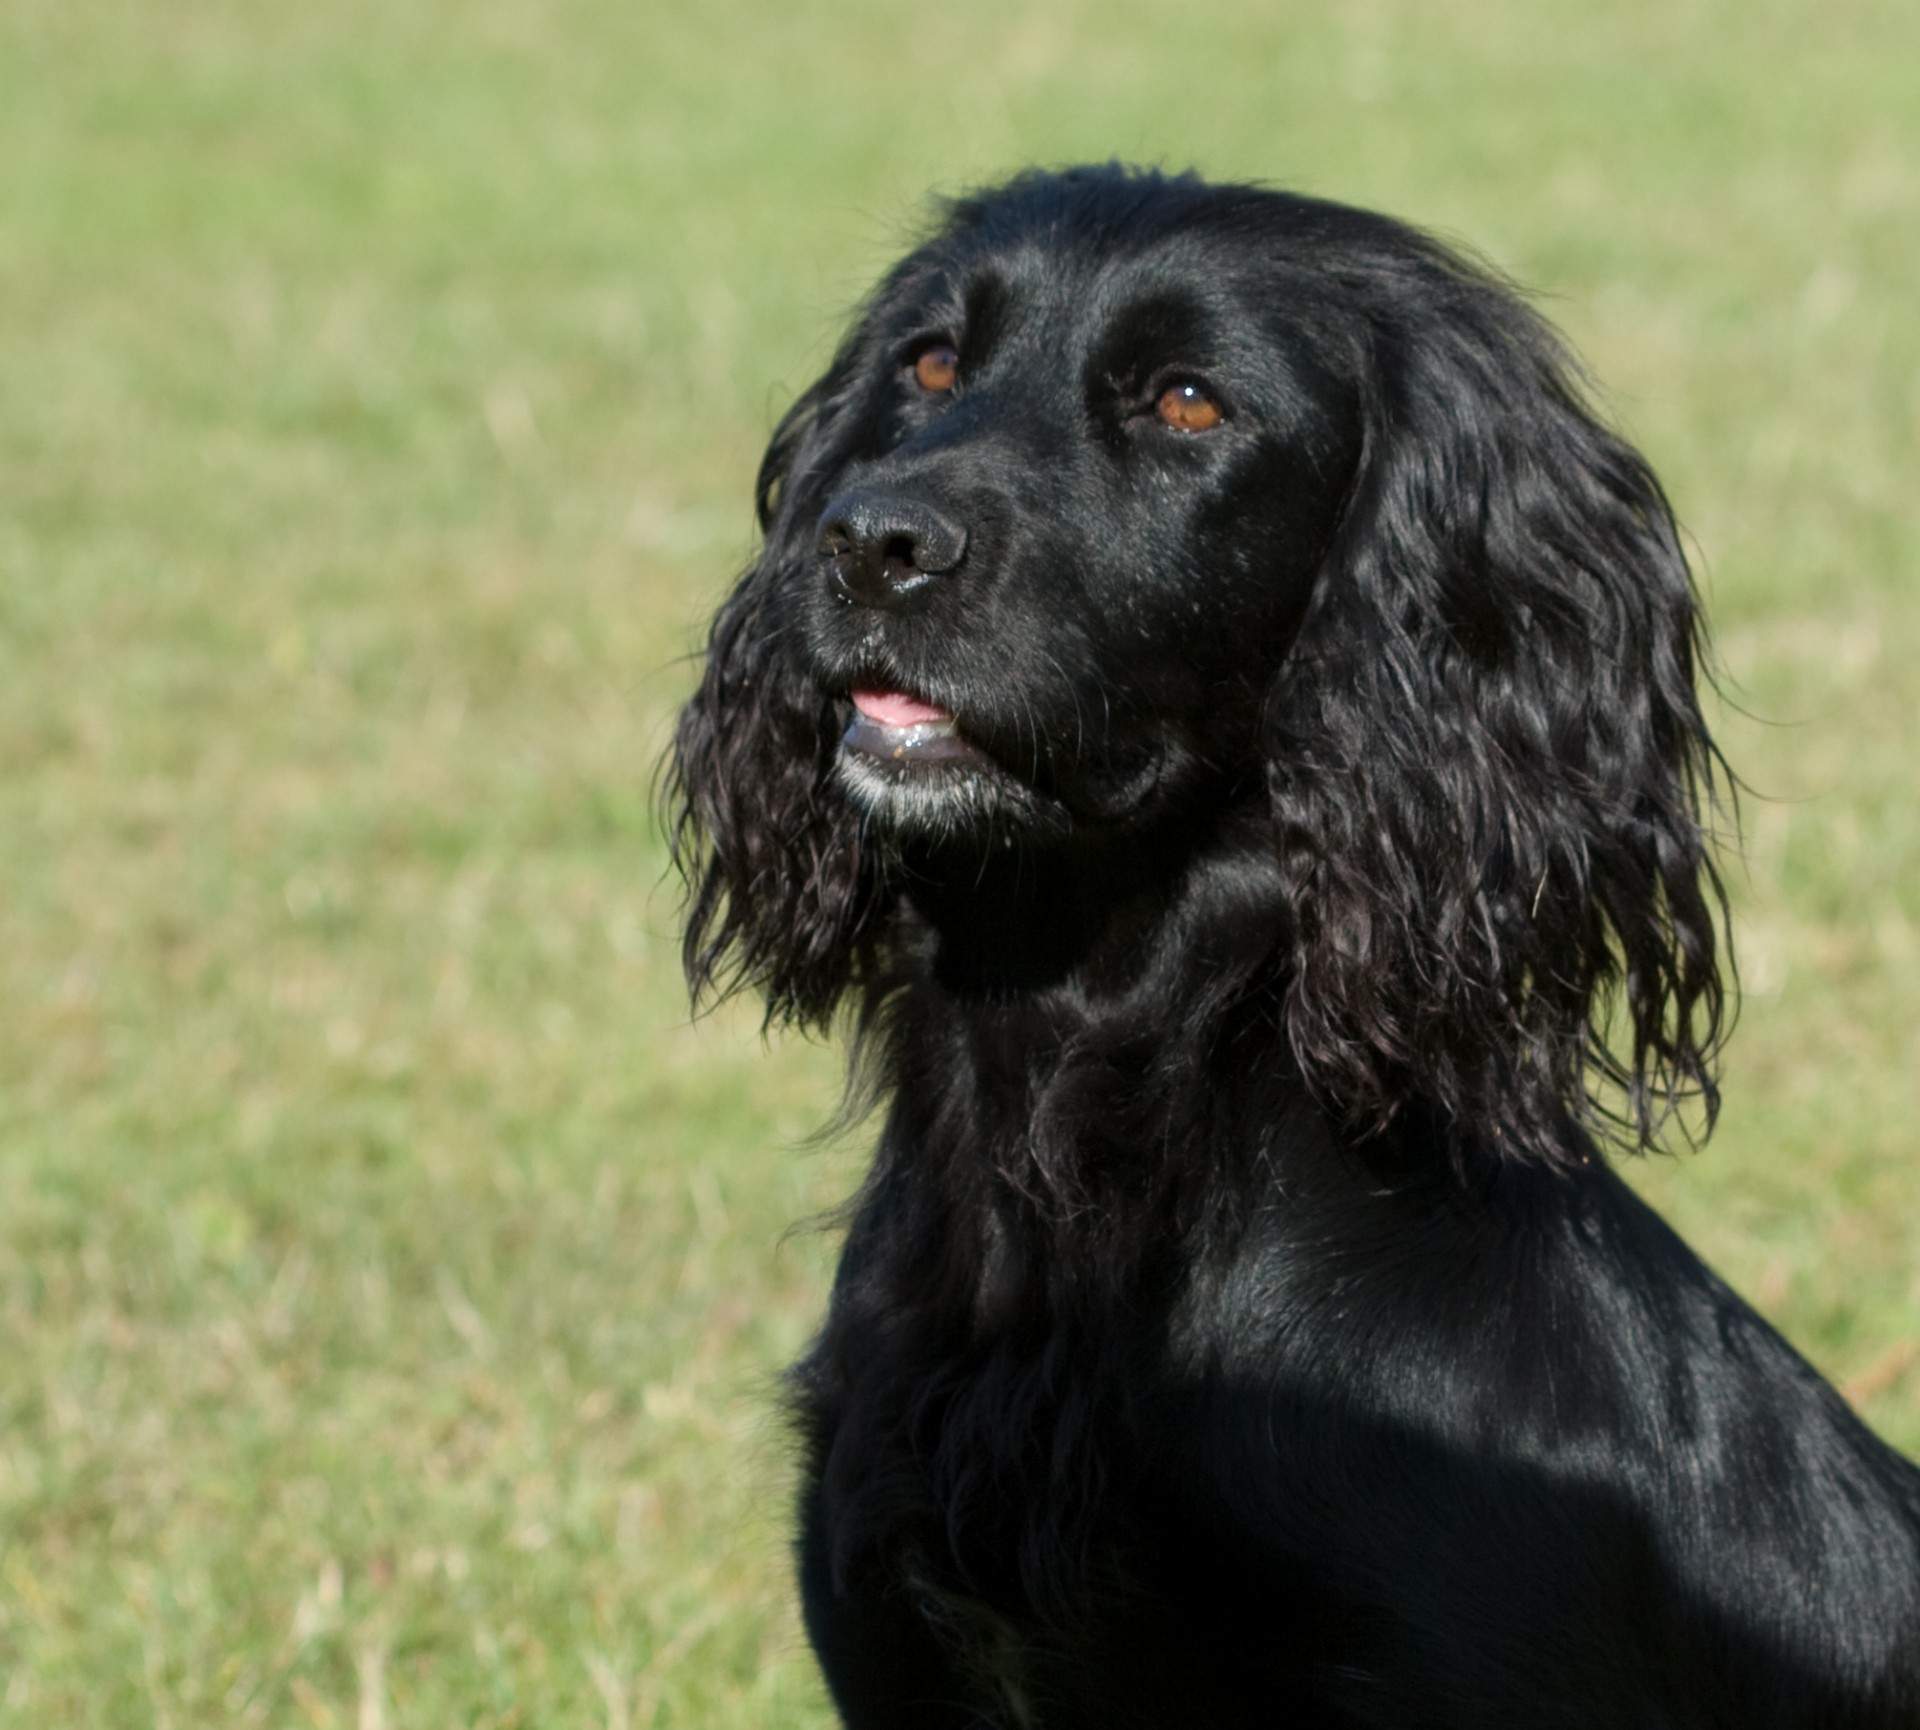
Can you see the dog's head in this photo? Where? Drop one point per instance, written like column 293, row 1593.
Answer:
column 1130, row 498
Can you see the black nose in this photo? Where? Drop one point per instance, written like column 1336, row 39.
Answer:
column 881, row 547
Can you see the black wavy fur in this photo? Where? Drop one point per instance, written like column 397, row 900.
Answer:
column 1241, row 1323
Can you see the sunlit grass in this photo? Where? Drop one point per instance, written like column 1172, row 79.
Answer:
column 394, row 1282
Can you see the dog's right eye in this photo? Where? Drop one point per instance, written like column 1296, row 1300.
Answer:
column 936, row 369
column 1188, row 407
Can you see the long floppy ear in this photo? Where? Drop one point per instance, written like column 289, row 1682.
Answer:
column 781, row 896
column 1486, row 754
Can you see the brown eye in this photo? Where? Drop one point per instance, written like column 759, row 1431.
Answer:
column 1187, row 408
column 937, row 368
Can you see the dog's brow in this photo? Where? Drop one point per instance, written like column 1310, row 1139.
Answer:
column 1146, row 332
column 987, row 303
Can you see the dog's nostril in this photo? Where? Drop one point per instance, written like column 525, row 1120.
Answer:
column 879, row 549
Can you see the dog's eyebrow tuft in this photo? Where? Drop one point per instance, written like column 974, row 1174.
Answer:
column 988, row 302
column 1147, row 334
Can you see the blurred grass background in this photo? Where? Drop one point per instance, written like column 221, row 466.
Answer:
column 393, row 1282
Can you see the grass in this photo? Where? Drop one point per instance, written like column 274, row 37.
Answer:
column 393, row 1281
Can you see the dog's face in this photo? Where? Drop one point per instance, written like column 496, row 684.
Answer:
column 1131, row 503
column 1085, row 487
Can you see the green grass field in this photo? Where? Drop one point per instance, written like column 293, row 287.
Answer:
column 393, row 1281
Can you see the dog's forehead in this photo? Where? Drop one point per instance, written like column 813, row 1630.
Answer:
column 1082, row 293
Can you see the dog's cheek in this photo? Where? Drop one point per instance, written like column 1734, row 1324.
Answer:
column 1212, row 594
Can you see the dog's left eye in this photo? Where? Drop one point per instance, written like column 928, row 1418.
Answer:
column 1186, row 407
column 936, row 368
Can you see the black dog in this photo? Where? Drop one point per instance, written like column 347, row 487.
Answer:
column 1223, row 711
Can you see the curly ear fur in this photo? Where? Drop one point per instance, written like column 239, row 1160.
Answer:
column 1486, row 755
column 782, row 893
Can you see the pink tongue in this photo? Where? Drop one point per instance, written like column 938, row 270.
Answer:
column 897, row 709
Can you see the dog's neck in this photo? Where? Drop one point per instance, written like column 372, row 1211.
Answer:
column 1169, row 909
column 1065, row 1019
column 1091, row 995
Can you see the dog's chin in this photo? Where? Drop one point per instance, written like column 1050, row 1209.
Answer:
column 954, row 797
column 931, row 784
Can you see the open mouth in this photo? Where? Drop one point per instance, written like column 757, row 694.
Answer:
column 898, row 728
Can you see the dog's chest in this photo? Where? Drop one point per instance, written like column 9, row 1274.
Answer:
column 1003, row 1498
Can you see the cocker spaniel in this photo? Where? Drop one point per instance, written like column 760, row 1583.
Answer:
column 1218, row 710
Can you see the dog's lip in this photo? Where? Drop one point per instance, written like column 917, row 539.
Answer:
column 897, row 709
column 897, row 727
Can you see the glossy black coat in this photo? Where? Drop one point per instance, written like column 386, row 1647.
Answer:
column 1241, row 1323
